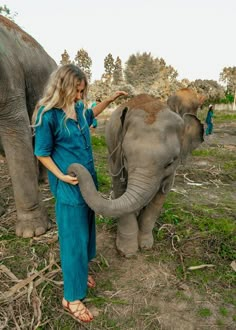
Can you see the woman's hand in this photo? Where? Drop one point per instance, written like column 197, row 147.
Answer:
column 101, row 106
column 69, row 179
column 118, row 94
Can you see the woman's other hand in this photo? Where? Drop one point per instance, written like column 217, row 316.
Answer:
column 69, row 179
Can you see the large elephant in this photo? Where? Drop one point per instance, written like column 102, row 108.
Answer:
column 24, row 70
column 146, row 142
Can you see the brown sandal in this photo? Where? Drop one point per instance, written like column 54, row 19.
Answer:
column 81, row 313
column 91, row 283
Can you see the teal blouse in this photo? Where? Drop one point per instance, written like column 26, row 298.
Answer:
column 66, row 143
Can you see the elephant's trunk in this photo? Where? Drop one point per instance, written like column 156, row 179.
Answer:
column 140, row 190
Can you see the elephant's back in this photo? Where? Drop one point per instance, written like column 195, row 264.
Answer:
column 18, row 47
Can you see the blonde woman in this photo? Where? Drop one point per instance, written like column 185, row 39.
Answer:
column 62, row 137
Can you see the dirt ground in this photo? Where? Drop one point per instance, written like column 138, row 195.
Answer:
column 144, row 292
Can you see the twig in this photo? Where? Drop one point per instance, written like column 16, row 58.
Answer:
column 13, row 290
column 200, row 266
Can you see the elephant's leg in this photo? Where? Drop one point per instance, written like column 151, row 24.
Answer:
column 32, row 219
column 127, row 235
column 147, row 220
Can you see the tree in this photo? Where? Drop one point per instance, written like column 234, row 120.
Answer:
column 109, row 67
column 118, row 72
column 210, row 89
column 150, row 75
column 228, row 75
column 65, row 58
column 84, row 62
column 5, row 11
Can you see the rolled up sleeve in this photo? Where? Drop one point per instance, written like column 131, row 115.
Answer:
column 89, row 116
column 44, row 137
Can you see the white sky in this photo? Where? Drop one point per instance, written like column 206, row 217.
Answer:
column 196, row 37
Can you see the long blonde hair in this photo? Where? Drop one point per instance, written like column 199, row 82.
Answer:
column 61, row 90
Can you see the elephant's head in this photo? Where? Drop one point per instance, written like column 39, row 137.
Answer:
column 184, row 101
column 146, row 142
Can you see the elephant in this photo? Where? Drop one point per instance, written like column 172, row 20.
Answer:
column 146, row 139
column 24, row 70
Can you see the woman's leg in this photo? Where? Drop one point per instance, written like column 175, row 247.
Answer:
column 77, row 247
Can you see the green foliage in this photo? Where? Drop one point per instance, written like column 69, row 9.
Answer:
column 229, row 98
column 211, row 90
column 204, row 312
column 5, row 11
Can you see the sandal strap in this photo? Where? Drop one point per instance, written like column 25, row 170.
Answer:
column 81, row 309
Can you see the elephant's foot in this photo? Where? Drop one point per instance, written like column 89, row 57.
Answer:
column 127, row 244
column 145, row 240
column 32, row 224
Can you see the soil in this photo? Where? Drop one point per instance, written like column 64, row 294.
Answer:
column 144, row 292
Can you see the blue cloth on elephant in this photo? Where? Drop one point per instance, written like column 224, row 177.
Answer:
column 69, row 142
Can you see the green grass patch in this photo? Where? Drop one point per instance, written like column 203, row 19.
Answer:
column 204, row 312
column 98, row 142
column 218, row 153
column 221, row 117
column 104, row 181
column 223, row 311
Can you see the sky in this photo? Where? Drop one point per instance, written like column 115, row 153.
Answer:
column 196, row 37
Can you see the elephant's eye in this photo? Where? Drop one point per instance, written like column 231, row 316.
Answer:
column 168, row 164
column 171, row 162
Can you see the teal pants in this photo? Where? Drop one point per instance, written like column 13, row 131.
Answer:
column 209, row 129
column 77, row 239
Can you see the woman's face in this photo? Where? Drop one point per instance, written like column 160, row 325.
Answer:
column 80, row 91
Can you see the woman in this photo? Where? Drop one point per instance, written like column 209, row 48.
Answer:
column 61, row 138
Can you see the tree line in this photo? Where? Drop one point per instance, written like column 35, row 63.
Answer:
column 142, row 73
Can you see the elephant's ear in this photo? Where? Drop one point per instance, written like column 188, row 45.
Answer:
column 193, row 135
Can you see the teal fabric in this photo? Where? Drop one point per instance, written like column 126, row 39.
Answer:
column 95, row 121
column 209, row 122
column 77, row 238
column 65, row 143
column 209, row 117
column 68, row 143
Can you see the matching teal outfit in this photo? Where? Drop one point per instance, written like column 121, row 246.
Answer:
column 66, row 143
column 209, row 122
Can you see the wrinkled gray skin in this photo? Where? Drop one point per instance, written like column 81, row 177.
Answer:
column 146, row 142
column 24, row 70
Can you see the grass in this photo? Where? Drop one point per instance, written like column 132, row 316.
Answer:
column 219, row 116
column 204, row 312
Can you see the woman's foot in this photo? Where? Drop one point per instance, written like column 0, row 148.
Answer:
column 91, row 283
column 77, row 310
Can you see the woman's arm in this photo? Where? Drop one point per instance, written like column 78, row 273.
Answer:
column 52, row 167
column 102, row 105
